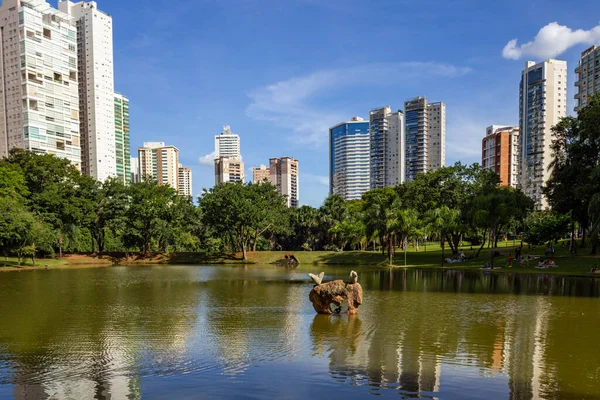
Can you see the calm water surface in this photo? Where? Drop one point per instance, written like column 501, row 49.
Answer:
column 235, row 332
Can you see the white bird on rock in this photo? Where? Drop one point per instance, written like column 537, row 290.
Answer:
column 317, row 279
column 353, row 277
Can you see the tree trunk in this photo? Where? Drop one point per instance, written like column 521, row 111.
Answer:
column 493, row 252
column 405, row 246
column 485, row 233
column 443, row 247
column 390, row 250
column 244, row 251
column 572, row 247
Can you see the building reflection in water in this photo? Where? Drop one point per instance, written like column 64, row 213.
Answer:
column 419, row 333
column 410, row 331
column 100, row 348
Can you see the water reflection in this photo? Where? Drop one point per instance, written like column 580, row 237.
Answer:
column 112, row 333
column 470, row 281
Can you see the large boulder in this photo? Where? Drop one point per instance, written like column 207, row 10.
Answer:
column 337, row 293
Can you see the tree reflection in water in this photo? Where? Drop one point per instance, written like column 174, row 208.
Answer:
column 428, row 333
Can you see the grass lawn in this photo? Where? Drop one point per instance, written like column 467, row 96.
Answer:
column 429, row 258
column 11, row 264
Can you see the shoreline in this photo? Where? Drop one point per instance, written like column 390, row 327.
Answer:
column 567, row 266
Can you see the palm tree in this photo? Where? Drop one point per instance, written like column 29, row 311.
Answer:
column 381, row 217
column 406, row 225
column 443, row 220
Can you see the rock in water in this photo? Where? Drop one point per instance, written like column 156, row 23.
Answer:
column 336, row 292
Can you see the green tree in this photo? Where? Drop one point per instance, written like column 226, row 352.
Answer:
column 443, row 220
column 147, row 214
column 381, row 217
column 545, row 227
column 12, row 181
column 406, row 225
column 334, row 211
column 244, row 212
column 495, row 209
column 453, row 187
column 21, row 231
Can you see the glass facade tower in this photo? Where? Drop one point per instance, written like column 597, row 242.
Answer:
column 349, row 159
column 122, row 139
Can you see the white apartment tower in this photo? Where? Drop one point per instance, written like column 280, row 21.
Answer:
column 160, row 162
column 39, row 94
column 542, row 103
column 227, row 144
column 284, row 176
column 96, row 90
column 184, row 186
column 425, row 127
column 588, row 76
column 386, row 147
column 135, row 170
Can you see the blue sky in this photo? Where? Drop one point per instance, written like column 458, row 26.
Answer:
column 280, row 72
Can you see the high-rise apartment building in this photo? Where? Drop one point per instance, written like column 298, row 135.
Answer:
column 160, row 162
column 284, row 176
column 228, row 170
column 227, row 144
column 436, row 153
column 184, row 184
column 542, row 103
column 425, row 130
column 588, row 76
column 261, row 174
column 350, row 159
column 122, row 139
column 39, row 81
column 500, row 153
column 386, row 147
column 135, row 169
column 96, row 89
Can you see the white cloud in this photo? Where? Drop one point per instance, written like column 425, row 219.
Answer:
column 551, row 41
column 287, row 104
column 208, row 160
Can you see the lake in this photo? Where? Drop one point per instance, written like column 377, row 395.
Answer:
column 251, row 333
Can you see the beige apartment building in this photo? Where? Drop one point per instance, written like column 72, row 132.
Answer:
column 160, row 162
column 184, row 184
column 228, row 170
column 261, row 174
column 284, row 175
column 39, row 80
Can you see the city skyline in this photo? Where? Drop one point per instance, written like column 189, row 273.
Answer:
column 285, row 105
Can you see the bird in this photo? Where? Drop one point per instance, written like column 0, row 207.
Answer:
column 317, row 279
column 353, row 277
